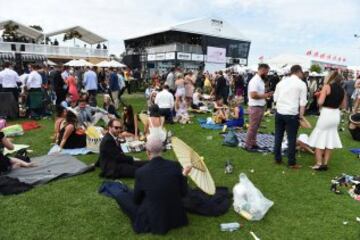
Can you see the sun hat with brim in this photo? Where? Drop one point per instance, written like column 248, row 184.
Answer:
column 355, row 118
column 72, row 110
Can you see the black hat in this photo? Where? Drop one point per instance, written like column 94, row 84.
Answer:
column 355, row 118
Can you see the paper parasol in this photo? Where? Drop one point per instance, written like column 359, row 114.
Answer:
column 199, row 172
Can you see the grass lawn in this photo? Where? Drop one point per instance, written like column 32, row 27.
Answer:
column 304, row 206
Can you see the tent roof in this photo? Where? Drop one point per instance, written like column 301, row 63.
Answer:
column 203, row 26
column 86, row 35
column 23, row 29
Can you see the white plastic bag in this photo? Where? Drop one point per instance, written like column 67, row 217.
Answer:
column 249, row 202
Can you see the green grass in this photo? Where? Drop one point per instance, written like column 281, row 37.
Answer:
column 304, row 207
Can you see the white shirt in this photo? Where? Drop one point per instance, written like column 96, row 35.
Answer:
column 196, row 98
column 290, row 93
column 256, row 84
column 64, row 75
column 9, row 78
column 164, row 99
column 34, row 80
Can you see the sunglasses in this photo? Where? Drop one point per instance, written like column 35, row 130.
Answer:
column 117, row 127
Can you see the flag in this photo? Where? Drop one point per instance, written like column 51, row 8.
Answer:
column 334, row 58
column 339, row 59
column 261, row 58
column 322, row 55
column 308, row 53
column 344, row 59
column 316, row 54
column 329, row 56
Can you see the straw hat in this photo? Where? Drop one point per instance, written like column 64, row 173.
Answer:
column 304, row 123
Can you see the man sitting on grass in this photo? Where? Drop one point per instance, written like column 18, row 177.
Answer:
column 113, row 162
column 155, row 205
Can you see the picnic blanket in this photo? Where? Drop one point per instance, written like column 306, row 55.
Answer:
column 74, row 152
column 29, row 125
column 17, row 147
column 203, row 124
column 355, row 151
column 49, row 168
column 263, row 140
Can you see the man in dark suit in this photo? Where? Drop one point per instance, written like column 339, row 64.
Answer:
column 156, row 204
column 112, row 160
column 221, row 88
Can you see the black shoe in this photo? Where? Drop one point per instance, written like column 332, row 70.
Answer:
column 253, row 149
column 278, row 162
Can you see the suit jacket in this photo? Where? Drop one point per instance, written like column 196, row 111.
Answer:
column 112, row 160
column 221, row 87
column 158, row 192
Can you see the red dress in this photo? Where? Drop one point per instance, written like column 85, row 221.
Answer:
column 72, row 88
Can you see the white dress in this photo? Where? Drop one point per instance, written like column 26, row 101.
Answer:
column 156, row 132
column 325, row 133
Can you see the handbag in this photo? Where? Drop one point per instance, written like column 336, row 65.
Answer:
column 231, row 139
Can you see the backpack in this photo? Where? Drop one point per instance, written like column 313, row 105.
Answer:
column 231, row 139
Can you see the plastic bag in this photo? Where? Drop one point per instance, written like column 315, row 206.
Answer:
column 249, row 202
column 230, row 139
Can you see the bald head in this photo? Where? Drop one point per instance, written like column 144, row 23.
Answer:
column 154, row 146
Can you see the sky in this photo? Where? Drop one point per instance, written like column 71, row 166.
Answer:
column 273, row 26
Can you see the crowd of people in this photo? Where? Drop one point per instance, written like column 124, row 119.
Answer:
column 155, row 204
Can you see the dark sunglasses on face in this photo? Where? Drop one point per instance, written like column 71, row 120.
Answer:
column 117, row 127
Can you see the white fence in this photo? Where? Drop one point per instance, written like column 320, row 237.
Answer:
column 50, row 50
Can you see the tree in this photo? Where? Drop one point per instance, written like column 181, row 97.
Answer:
column 10, row 32
column 37, row 27
column 315, row 68
column 72, row 34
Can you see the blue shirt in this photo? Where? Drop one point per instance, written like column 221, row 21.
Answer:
column 90, row 80
column 114, row 82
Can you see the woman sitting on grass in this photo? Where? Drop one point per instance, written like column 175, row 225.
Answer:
column 110, row 107
column 220, row 111
column 155, row 123
column 60, row 121
column 130, row 123
column 182, row 115
column 9, row 163
column 69, row 136
column 236, row 114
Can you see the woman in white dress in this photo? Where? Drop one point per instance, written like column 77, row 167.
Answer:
column 154, row 126
column 325, row 137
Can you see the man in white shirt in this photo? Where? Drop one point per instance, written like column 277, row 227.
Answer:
column 257, row 101
column 33, row 85
column 290, row 97
column 165, row 101
column 9, row 80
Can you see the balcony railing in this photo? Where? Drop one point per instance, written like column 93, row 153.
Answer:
column 54, row 51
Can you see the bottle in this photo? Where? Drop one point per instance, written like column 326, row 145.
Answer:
column 229, row 227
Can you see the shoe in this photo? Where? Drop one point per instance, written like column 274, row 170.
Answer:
column 278, row 162
column 295, row 166
column 324, row 168
column 253, row 149
column 316, row 167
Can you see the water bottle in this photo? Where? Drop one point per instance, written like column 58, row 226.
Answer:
column 229, row 227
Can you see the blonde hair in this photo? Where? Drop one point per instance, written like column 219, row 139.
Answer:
column 333, row 77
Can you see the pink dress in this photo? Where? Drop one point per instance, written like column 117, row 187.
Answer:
column 72, row 88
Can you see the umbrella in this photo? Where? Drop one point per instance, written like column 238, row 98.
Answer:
column 116, row 64
column 72, row 63
column 103, row 64
column 50, row 63
column 84, row 63
column 199, row 172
